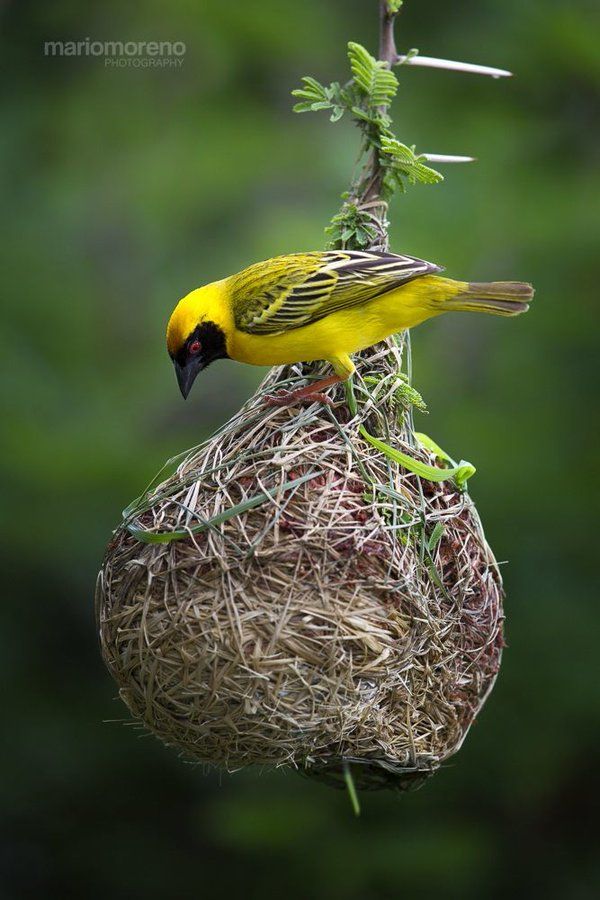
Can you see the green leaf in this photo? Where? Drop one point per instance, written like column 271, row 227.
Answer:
column 303, row 107
column 359, row 113
column 314, row 95
column 404, row 161
column 312, row 89
column 351, row 227
column 372, row 76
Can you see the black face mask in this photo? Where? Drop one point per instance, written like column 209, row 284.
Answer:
column 205, row 344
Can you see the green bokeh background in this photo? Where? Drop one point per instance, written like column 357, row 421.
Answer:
column 124, row 189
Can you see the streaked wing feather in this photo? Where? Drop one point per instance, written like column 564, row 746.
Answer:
column 288, row 292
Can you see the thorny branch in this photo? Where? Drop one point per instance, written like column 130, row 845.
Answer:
column 389, row 55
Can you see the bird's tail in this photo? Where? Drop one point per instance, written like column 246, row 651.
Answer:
column 500, row 298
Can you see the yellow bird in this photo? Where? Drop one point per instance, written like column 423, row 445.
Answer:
column 321, row 305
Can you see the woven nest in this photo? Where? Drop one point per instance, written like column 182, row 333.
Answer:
column 290, row 596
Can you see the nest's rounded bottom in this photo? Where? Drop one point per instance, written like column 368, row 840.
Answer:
column 368, row 775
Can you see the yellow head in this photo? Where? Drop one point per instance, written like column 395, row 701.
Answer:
column 197, row 333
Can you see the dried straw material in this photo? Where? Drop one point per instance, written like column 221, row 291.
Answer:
column 319, row 605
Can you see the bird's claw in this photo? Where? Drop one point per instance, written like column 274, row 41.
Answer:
column 291, row 398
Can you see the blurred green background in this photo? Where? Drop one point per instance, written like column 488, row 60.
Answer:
column 124, row 189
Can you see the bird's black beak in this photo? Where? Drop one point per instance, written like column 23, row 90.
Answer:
column 186, row 375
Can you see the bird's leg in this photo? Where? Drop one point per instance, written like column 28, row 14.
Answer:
column 309, row 394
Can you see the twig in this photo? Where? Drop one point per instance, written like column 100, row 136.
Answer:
column 387, row 53
column 387, row 43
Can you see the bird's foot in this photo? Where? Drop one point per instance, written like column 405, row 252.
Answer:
column 291, row 398
column 309, row 394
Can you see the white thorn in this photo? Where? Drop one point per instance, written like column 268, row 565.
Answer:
column 444, row 158
column 433, row 63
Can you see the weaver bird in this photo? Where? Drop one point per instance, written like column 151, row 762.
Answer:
column 322, row 305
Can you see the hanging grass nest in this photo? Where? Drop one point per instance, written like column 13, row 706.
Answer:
column 309, row 588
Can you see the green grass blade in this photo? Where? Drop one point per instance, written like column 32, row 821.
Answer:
column 165, row 537
column 435, row 536
column 431, row 445
column 351, row 788
column 459, row 473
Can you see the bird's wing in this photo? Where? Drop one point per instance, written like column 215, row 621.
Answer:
column 290, row 291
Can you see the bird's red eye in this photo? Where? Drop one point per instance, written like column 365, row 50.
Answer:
column 194, row 348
